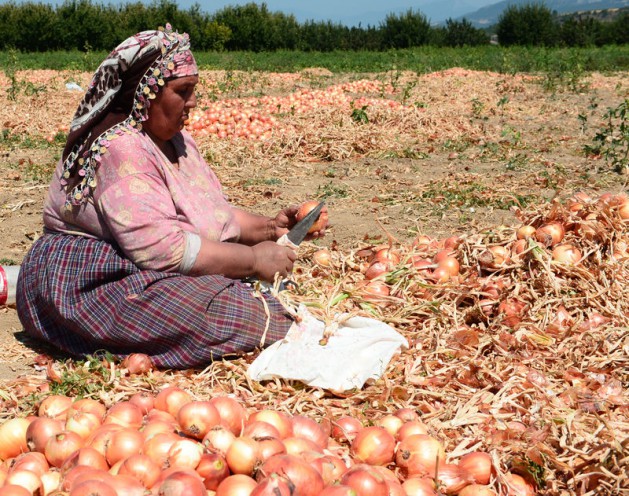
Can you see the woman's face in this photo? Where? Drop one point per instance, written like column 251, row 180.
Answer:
column 169, row 110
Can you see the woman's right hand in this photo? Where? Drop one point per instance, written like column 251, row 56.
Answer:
column 271, row 258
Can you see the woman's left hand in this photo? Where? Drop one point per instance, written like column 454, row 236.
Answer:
column 287, row 218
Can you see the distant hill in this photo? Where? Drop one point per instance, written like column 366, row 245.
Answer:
column 488, row 16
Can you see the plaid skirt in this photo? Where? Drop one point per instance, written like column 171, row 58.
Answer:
column 83, row 296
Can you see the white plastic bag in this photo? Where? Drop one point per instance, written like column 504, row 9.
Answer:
column 360, row 349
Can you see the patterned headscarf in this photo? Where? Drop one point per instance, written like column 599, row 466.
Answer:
column 118, row 99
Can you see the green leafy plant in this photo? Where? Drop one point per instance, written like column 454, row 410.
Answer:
column 612, row 140
column 83, row 378
column 359, row 115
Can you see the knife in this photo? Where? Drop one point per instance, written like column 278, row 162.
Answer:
column 292, row 239
column 299, row 231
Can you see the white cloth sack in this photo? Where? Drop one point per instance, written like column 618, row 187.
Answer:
column 358, row 350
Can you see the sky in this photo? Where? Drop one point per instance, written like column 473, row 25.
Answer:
column 355, row 12
column 348, row 12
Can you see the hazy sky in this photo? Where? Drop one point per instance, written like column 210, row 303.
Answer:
column 354, row 11
column 349, row 12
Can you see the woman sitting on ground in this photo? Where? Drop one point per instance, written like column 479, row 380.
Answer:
column 141, row 252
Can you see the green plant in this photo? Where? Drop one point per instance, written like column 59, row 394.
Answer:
column 84, row 378
column 612, row 140
column 331, row 190
column 477, row 108
column 359, row 115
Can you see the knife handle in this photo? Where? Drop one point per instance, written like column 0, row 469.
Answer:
column 284, row 241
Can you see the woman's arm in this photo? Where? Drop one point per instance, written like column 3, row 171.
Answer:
column 234, row 260
column 256, row 228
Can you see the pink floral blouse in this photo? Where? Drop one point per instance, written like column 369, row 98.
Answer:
column 155, row 211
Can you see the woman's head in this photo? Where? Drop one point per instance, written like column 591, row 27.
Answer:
column 169, row 111
column 119, row 99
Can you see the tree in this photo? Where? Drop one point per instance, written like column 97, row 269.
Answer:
column 529, row 25
column 406, row 30
column 463, row 33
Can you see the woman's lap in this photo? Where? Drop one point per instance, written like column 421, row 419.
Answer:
column 82, row 296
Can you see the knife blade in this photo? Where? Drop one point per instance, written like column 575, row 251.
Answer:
column 300, row 230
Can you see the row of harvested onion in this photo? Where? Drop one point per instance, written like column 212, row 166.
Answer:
column 437, row 262
column 171, row 444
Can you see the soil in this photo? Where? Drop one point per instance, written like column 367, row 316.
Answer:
column 528, row 150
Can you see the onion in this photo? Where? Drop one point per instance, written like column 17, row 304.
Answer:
column 33, row 461
column 171, row 399
column 50, row 482
column 153, row 427
column 185, row 453
column 87, row 405
column 332, row 468
column 519, row 247
column 275, row 485
column 419, row 486
column 495, row 257
column 374, row 446
column 85, row 456
column 305, row 478
column 623, row 211
column 279, row 420
column 410, row 428
column 441, row 275
column 451, row 478
column 93, row 488
column 260, row 429
column 61, row 446
column 525, row 232
column 81, row 473
column 145, row 401
column 309, row 429
column 516, row 485
column 13, row 490
column 365, row 480
column 232, row 413
column 478, row 464
column 55, row 406
column 24, row 478
column 387, row 255
column 406, row 414
column 375, row 290
column 196, row 418
column 158, row 446
column 419, row 454
column 450, row 264
column 212, row 469
column 477, row 490
column 236, row 485
column 125, row 414
column 550, row 234
column 99, row 439
column 391, row 423
column 452, row 243
column 321, row 222
column 270, row 446
column 182, row 483
column 122, row 444
column 219, row 439
column 424, row 243
column 322, row 257
column 338, row 490
column 377, row 269
column 142, row 468
column 243, row 456
column 567, row 254
column 298, row 445
column 345, row 428
column 38, row 432
column 83, row 423
column 138, row 363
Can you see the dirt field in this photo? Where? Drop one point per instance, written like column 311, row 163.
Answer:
column 466, row 150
